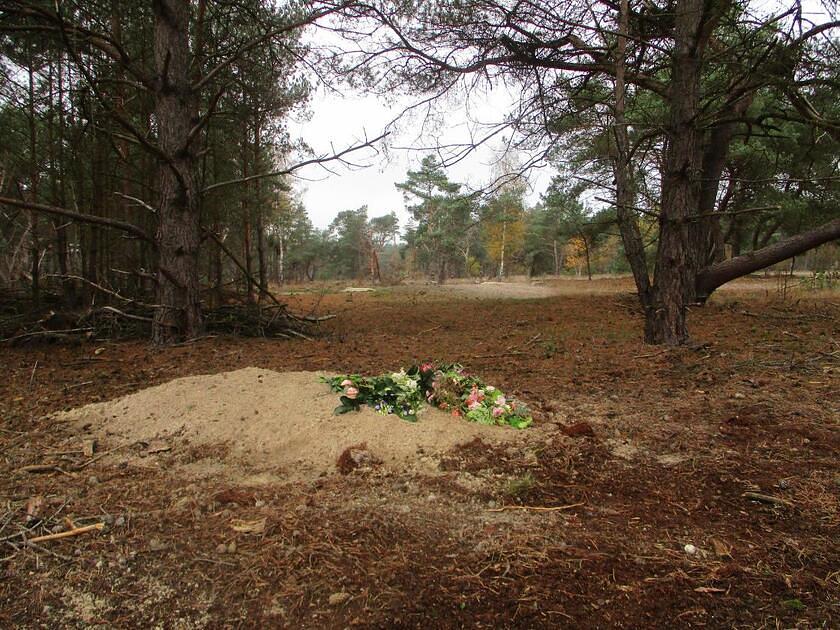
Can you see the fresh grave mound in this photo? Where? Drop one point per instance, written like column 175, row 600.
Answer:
column 274, row 420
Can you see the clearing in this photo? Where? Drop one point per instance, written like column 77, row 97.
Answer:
column 692, row 487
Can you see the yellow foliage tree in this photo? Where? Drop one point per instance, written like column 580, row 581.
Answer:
column 505, row 236
column 576, row 254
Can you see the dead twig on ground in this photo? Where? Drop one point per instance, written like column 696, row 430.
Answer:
column 498, row 356
column 48, row 333
column 43, row 468
column 101, row 455
column 537, row 508
column 766, row 498
column 72, row 532
column 428, row 330
column 67, row 388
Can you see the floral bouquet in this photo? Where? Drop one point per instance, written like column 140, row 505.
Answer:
column 445, row 386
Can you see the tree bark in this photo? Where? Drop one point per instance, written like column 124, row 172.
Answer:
column 246, row 224
column 34, row 246
column 586, row 254
column 178, row 233
column 676, row 263
column 628, row 225
column 715, row 153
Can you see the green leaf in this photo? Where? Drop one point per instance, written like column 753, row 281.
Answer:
column 794, row 604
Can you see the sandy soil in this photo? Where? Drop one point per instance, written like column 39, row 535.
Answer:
column 630, row 505
column 273, row 422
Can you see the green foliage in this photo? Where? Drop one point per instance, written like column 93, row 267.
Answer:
column 519, row 487
column 795, row 605
column 446, row 386
column 441, row 231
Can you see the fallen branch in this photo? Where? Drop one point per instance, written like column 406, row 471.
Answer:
column 68, row 534
column 766, row 498
column 101, row 455
column 67, row 388
column 498, row 356
column 537, row 508
column 43, row 468
column 99, row 287
column 47, row 333
column 116, row 311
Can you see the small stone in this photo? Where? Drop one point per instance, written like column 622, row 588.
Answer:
column 336, row 599
column 92, row 480
column 108, row 519
column 259, row 503
column 119, row 521
column 231, row 548
column 221, row 548
column 156, row 545
column 690, row 549
column 431, row 498
column 738, row 395
column 57, row 529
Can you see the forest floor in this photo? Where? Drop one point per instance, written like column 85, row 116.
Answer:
column 683, row 487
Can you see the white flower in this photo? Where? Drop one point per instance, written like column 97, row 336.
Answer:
column 489, row 388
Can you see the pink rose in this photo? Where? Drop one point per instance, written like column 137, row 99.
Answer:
column 346, row 382
column 427, row 367
column 501, row 401
column 351, row 393
column 498, row 411
column 473, row 405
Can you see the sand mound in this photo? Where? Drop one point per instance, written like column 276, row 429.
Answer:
column 273, row 420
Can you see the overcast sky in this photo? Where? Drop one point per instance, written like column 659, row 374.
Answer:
column 341, row 121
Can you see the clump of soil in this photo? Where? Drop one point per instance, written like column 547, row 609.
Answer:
column 275, row 420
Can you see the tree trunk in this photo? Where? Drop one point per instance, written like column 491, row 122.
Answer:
column 628, row 225
column 586, row 254
column 709, row 233
column 246, row 224
column 675, row 260
column 281, row 258
column 34, row 249
column 261, row 261
column 502, row 262
column 218, row 273
column 260, row 210
column 178, row 233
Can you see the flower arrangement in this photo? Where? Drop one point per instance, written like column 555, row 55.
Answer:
column 446, row 386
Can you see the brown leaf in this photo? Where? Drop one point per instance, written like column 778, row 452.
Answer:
column 722, row 550
column 34, row 506
column 249, row 527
